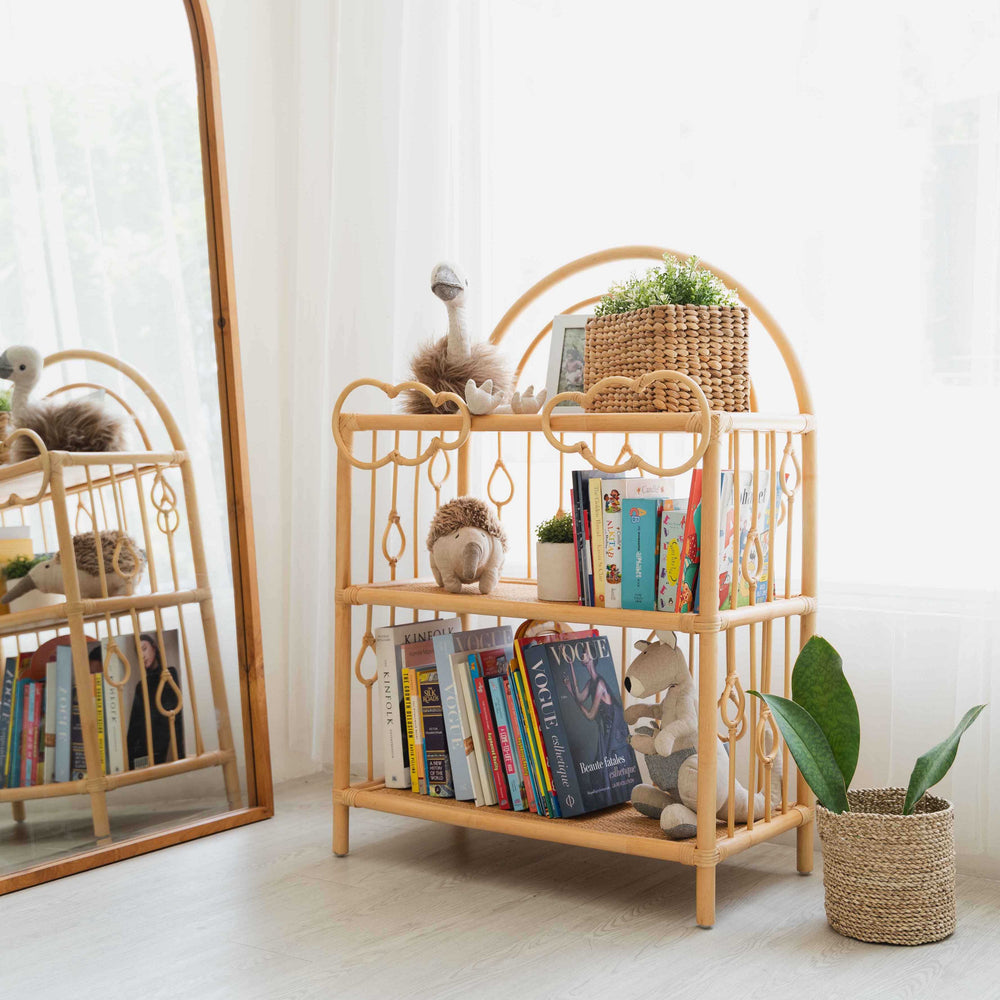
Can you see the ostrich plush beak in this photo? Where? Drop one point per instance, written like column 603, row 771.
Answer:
column 445, row 284
column 6, row 368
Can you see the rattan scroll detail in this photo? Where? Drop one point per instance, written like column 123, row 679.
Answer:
column 637, row 386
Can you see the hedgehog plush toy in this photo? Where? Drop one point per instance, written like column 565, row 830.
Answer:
column 467, row 545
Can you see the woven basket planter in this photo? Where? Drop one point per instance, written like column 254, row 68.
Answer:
column 707, row 343
column 889, row 878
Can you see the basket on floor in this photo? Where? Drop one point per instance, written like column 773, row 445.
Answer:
column 707, row 343
column 889, row 878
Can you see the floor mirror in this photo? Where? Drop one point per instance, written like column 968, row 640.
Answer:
column 132, row 711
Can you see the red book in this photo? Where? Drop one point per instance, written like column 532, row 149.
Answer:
column 691, row 548
column 489, row 731
column 512, row 714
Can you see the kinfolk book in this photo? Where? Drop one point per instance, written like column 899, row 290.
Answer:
column 575, row 686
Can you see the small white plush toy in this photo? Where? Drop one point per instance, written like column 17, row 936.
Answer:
column 47, row 576
column 467, row 545
column 673, row 796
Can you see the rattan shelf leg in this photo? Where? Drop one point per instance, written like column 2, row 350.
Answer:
column 704, row 891
column 342, row 657
column 17, row 808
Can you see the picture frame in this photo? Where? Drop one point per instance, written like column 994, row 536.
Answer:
column 565, row 372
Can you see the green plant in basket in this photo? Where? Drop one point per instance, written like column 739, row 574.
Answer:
column 556, row 529
column 674, row 282
column 21, row 566
column 822, row 730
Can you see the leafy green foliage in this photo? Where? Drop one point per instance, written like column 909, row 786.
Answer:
column 556, row 529
column 933, row 765
column 820, row 687
column 674, row 282
column 811, row 750
column 21, row 566
column 5, row 399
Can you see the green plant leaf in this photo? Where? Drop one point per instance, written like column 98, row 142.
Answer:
column 820, row 687
column 933, row 765
column 811, row 750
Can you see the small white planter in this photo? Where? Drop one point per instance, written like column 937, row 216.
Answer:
column 32, row 600
column 556, row 568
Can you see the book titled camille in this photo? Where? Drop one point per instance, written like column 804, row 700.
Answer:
column 575, row 690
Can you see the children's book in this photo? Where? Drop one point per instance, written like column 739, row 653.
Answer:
column 497, row 768
column 691, row 547
column 639, row 537
column 508, row 749
column 6, row 713
column 576, row 691
column 438, row 763
column 389, row 659
column 584, row 528
column 668, row 563
column 764, row 536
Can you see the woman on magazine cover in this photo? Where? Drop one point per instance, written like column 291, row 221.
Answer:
column 160, row 724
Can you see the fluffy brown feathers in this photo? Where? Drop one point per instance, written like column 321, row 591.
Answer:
column 67, row 425
column 432, row 366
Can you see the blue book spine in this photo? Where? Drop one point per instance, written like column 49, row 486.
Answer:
column 510, row 680
column 540, row 677
column 64, row 710
column 6, row 710
column 14, row 768
column 508, row 748
column 444, row 646
column 639, row 537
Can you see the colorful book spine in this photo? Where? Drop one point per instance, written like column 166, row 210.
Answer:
column 78, row 756
column 49, row 751
column 418, row 734
column 439, row 776
column 535, row 730
column 462, row 765
column 64, row 710
column 29, row 730
column 639, row 538
column 17, row 734
column 669, row 560
column 535, row 801
column 102, row 744
column 597, row 544
column 533, row 744
column 489, row 731
column 611, row 506
column 508, row 751
column 6, row 714
column 764, row 532
column 577, row 537
column 408, row 708
column 691, row 548
column 474, row 744
column 734, row 523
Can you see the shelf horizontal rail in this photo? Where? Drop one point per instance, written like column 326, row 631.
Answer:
column 518, row 599
column 611, row 423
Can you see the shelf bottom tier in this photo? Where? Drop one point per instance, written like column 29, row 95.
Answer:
column 620, row 829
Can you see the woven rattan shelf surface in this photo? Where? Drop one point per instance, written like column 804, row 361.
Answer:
column 620, row 829
column 519, row 599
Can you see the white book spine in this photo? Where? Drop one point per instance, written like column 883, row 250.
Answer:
column 113, row 727
column 487, row 794
column 397, row 773
column 49, row 752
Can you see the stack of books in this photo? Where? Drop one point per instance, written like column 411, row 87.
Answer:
column 533, row 725
column 638, row 540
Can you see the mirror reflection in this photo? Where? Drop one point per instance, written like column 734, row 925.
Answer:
column 119, row 676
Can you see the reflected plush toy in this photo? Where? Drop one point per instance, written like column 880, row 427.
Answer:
column 467, row 545
column 670, row 744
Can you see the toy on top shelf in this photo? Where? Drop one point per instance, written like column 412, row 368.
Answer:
column 670, row 745
column 481, row 399
column 63, row 425
column 467, row 545
column 123, row 560
column 448, row 364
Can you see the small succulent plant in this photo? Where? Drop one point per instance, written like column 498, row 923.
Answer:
column 556, row 529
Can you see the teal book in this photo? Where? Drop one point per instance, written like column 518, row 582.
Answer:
column 508, row 746
column 64, row 710
column 639, row 544
column 17, row 719
column 6, row 712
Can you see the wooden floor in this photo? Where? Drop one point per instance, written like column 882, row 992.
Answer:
column 421, row 910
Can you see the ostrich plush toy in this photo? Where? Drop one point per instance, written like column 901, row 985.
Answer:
column 63, row 424
column 48, row 576
column 467, row 544
column 448, row 364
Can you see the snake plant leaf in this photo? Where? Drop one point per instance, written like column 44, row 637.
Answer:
column 933, row 765
column 820, row 687
column 811, row 751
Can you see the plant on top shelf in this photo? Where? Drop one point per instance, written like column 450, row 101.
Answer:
column 674, row 282
column 878, row 844
column 556, row 560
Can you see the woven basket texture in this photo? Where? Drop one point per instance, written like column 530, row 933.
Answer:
column 889, row 878
column 707, row 343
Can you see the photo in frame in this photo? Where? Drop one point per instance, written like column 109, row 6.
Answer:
column 565, row 372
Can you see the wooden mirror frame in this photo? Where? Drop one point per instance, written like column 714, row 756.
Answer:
column 259, row 789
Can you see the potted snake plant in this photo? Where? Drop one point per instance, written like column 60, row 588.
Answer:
column 555, row 559
column 888, row 853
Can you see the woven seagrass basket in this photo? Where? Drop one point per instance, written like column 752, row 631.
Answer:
column 889, row 878
column 707, row 343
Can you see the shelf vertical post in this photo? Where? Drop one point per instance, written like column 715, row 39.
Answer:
column 807, row 626
column 462, row 488
column 342, row 652
column 81, row 659
column 706, row 854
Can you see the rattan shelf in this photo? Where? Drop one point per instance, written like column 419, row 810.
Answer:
column 406, row 470
column 149, row 494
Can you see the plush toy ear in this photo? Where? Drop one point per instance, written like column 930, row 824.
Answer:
column 667, row 638
column 641, row 645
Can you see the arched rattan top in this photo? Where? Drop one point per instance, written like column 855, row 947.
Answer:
column 781, row 341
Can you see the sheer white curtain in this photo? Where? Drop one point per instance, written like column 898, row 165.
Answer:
column 840, row 159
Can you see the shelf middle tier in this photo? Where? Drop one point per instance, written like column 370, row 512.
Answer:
column 519, row 599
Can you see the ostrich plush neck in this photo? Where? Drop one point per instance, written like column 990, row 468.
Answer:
column 449, row 286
